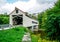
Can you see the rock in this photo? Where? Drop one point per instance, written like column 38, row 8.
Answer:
column 26, row 38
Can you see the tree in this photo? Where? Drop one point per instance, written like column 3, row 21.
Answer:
column 51, row 22
column 4, row 19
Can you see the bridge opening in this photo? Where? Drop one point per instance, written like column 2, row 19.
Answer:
column 17, row 19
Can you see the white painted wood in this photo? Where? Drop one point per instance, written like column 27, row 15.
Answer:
column 27, row 21
column 11, row 23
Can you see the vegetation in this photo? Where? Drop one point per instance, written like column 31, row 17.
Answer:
column 34, row 38
column 37, row 38
column 4, row 19
column 50, row 21
column 12, row 35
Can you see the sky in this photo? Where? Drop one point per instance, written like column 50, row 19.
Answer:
column 30, row 6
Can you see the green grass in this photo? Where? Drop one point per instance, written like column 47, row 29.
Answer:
column 34, row 38
column 37, row 38
column 12, row 35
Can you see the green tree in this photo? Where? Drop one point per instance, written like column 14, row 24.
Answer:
column 51, row 21
column 4, row 19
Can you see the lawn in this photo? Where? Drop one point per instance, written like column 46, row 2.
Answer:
column 12, row 35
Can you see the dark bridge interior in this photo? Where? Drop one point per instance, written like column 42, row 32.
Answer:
column 17, row 20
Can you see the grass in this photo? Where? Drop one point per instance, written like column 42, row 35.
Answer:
column 34, row 38
column 12, row 35
column 16, row 34
column 37, row 38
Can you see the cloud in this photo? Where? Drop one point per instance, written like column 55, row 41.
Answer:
column 40, row 8
column 45, row 1
column 8, row 7
column 2, row 2
column 31, row 6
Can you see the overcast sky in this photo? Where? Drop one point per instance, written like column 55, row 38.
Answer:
column 31, row 6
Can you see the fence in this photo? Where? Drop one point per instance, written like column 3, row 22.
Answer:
column 8, row 26
column 5, row 26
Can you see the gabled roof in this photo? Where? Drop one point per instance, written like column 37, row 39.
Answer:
column 18, row 9
column 22, row 12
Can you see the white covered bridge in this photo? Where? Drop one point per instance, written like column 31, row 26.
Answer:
column 18, row 17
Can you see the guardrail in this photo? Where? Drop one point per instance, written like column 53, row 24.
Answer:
column 8, row 26
column 4, row 26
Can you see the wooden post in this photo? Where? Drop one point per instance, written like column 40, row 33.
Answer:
column 32, row 29
column 2, row 28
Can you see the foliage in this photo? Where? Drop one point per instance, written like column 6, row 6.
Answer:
column 50, row 20
column 40, row 20
column 12, row 35
column 42, row 17
column 34, row 38
column 37, row 38
column 4, row 19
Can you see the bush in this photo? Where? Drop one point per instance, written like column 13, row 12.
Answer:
column 4, row 19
